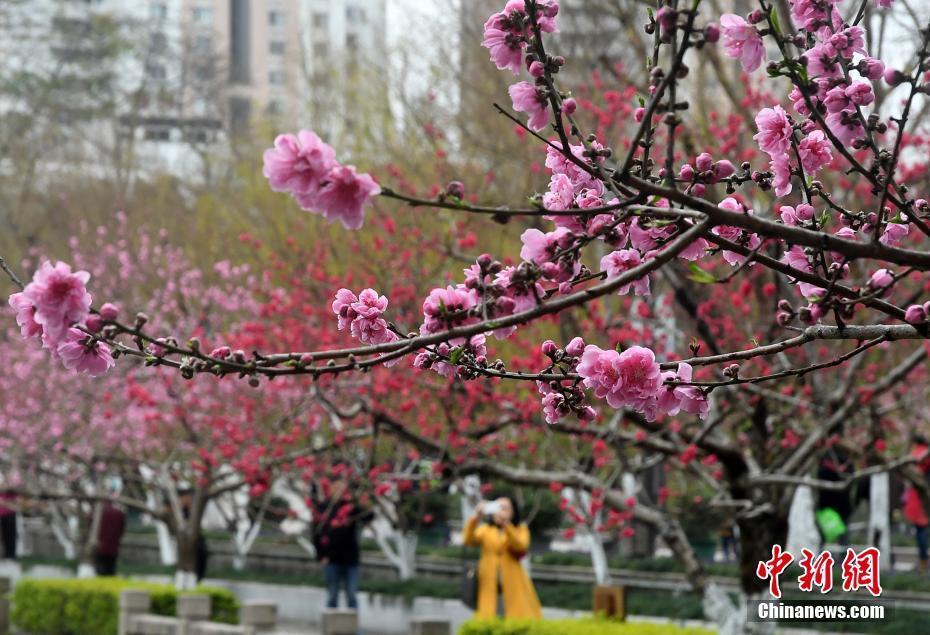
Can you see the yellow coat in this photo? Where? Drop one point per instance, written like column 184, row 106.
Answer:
column 497, row 559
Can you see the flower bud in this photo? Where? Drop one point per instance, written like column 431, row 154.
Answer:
column 915, row 314
column 639, row 114
column 704, row 162
column 455, row 189
column 723, row 169
column 537, row 69
column 881, row 279
column 549, row 348
column 550, row 270
column 755, row 17
column 893, row 76
column 712, row 33
column 575, row 348
column 686, row 173
column 783, row 319
column 587, row 414
column 569, row 106
column 93, row 323
column 109, row 311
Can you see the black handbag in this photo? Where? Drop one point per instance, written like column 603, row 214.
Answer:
column 469, row 589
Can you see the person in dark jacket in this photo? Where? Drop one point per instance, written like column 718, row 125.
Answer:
column 109, row 536
column 8, row 524
column 336, row 543
column 201, row 552
column 836, row 466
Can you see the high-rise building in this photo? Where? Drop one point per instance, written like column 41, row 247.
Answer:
column 178, row 76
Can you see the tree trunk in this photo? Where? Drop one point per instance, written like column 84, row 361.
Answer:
column 757, row 534
column 185, row 576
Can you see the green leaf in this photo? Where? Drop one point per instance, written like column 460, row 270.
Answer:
column 773, row 16
column 699, row 275
column 456, row 355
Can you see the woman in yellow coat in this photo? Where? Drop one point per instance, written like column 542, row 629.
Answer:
column 503, row 544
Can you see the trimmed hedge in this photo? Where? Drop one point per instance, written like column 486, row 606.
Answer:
column 91, row 606
column 589, row 626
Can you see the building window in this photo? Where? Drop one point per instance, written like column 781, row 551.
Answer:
column 276, row 18
column 319, row 20
column 157, row 134
column 275, row 107
column 320, row 49
column 276, row 47
column 156, row 71
column 277, row 77
column 355, row 15
column 352, row 41
column 203, row 44
column 158, row 10
column 203, row 15
column 159, row 43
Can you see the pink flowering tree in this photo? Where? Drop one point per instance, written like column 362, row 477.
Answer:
column 796, row 250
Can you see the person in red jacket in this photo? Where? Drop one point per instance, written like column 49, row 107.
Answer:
column 914, row 510
column 109, row 536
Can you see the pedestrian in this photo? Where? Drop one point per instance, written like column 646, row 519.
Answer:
column 914, row 511
column 338, row 522
column 8, row 524
column 109, row 537
column 504, row 588
column 201, row 552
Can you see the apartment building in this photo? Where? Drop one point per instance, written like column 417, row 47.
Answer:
column 179, row 76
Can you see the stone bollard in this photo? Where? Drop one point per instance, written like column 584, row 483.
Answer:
column 339, row 622
column 132, row 602
column 430, row 626
column 192, row 608
column 4, row 605
column 258, row 616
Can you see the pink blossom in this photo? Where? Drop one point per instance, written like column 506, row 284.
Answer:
column 628, row 379
column 576, row 347
column 860, row 93
column 298, row 163
column 742, row 41
column 342, row 196
column 781, row 171
column 849, row 41
column 506, row 48
column 821, row 61
column 794, row 215
column 796, row 258
column 809, row 14
column 372, row 330
column 623, row 260
column 558, row 163
column 774, row 136
column 735, row 234
column 523, row 292
column 81, row 353
column 109, row 312
column 529, row 99
column 836, row 99
column 881, row 279
column 561, row 193
column 447, row 308
column 342, row 307
column 25, row 315
column 893, row 235
column 370, row 304
column 674, row 398
column 847, row 132
column 815, row 151
column 60, row 299
column 885, row 4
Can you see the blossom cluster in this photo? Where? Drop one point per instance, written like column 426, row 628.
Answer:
column 306, row 167
column 507, row 35
column 361, row 314
column 50, row 308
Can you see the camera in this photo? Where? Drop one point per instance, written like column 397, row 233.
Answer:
column 491, row 508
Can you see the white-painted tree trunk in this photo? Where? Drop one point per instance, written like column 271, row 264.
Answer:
column 86, row 570
column 184, row 580
column 470, row 489
column 598, row 558
column 879, row 533
column 167, row 547
column 399, row 547
column 802, row 524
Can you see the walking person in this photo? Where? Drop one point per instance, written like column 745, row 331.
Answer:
column 914, row 511
column 8, row 533
column 504, row 588
column 336, row 543
column 109, row 537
